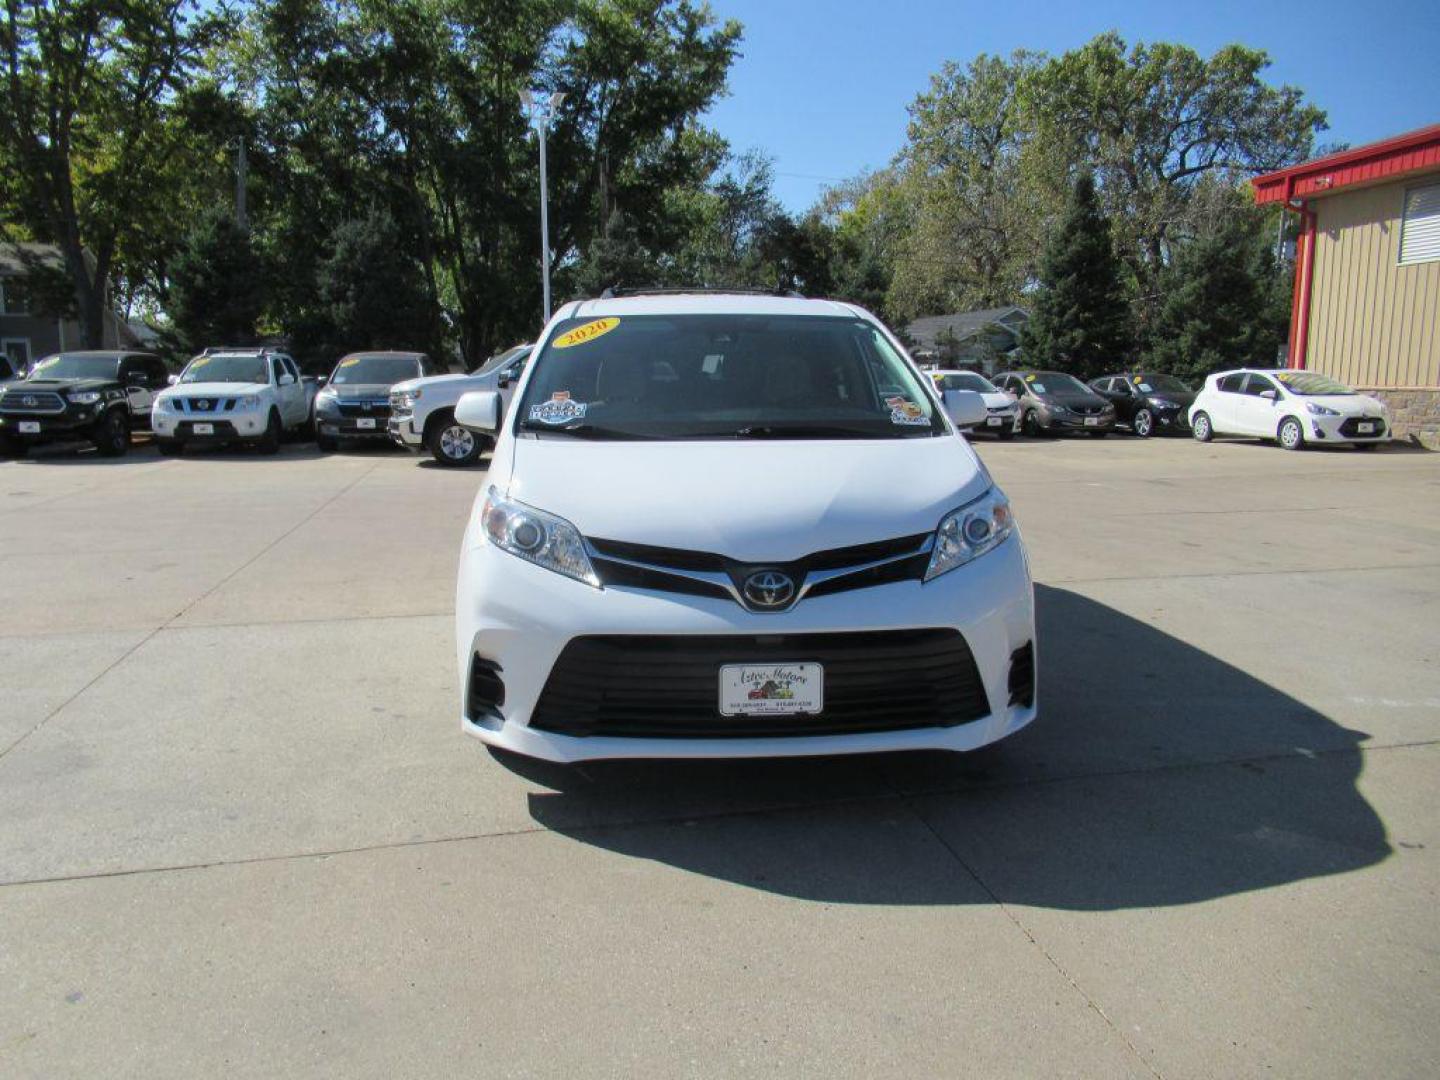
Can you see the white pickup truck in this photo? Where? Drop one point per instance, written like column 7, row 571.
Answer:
column 422, row 411
column 252, row 396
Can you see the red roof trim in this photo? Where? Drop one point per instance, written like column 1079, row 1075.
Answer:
column 1411, row 152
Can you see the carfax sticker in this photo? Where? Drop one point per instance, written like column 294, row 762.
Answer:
column 903, row 411
column 558, row 410
column 582, row 335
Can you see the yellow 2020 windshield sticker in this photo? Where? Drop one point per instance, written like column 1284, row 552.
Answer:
column 587, row 333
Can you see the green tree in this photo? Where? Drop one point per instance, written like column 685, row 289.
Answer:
column 218, row 284
column 1153, row 121
column 979, row 199
column 1226, row 301
column 373, row 292
column 1079, row 318
column 88, row 87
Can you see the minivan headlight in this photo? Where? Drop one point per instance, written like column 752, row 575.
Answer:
column 970, row 532
column 537, row 537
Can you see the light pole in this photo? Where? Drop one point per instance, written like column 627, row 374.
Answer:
column 541, row 112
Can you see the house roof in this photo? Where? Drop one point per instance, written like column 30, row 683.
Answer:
column 1388, row 159
column 19, row 258
column 960, row 325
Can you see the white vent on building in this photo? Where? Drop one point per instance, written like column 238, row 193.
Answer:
column 1420, row 227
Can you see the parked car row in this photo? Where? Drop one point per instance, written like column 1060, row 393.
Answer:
column 1294, row 408
column 257, row 397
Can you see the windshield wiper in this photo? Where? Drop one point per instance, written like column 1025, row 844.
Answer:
column 585, row 431
column 800, row 431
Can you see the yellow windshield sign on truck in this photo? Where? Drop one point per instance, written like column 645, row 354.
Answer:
column 587, row 333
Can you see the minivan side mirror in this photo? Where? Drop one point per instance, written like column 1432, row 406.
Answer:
column 479, row 410
column 173, row 380
column 321, row 380
column 966, row 408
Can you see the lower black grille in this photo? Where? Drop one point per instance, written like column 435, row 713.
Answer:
column 1351, row 428
column 379, row 410
column 1022, row 675
column 668, row 687
column 486, row 691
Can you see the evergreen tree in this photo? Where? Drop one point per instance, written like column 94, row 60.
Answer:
column 1080, row 321
column 1225, row 301
column 217, row 284
column 372, row 292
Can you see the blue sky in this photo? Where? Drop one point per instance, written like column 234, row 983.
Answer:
column 822, row 86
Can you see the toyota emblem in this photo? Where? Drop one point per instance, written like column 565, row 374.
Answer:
column 29, row 401
column 768, row 589
column 202, row 405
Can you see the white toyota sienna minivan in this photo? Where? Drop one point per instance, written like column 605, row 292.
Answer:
column 733, row 525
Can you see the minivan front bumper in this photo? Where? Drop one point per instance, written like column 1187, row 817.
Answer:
column 514, row 621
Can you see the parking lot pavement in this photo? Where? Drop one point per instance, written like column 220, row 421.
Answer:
column 241, row 834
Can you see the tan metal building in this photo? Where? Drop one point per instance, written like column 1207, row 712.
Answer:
column 1367, row 271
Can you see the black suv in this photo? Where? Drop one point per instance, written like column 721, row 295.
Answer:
column 97, row 396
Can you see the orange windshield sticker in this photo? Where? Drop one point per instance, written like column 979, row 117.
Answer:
column 582, row 335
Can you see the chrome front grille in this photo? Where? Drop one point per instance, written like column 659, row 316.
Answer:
column 40, row 401
column 205, row 406
column 701, row 573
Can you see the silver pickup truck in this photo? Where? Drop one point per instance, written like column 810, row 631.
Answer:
column 422, row 411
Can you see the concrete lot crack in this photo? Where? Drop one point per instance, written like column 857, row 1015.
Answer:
column 197, row 600
column 1006, row 910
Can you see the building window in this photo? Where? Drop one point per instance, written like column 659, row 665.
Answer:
column 13, row 300
column 1420, row 225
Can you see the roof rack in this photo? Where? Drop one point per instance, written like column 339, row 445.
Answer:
column 262, row 349
column 615, row 291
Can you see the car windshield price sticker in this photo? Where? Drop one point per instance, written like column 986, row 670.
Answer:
column 771, row 689
column 582, row 335
column 558, row 410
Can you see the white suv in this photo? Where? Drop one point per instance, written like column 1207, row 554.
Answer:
column 422, row 411
column 724, row 525
column 1292, row 407
column 233, row 395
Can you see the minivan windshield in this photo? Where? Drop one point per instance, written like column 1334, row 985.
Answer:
column 1309, row 384
column 375, row 369
column 965, row 380
column 688, row 376
column 73, row 366
column 222, row 368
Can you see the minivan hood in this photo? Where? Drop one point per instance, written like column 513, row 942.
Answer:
column 754, row 501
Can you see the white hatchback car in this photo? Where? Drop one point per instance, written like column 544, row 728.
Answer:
column 1292, row 407
column 1002, row 409
column 725, row 525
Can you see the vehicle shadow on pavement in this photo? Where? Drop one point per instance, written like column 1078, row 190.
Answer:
column 1157, row 774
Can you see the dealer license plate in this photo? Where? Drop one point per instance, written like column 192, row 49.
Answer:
column 204, row 429
column 29, row 427
column 992, row 421
column 771, row 689
column 1092, row 421
column 1365, row 429
column 366, row 424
